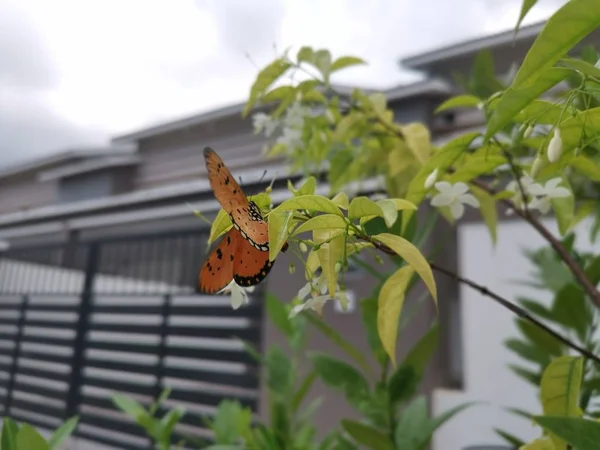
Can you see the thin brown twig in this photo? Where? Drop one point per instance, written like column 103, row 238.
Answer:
column 515, row 309
column 501, row 300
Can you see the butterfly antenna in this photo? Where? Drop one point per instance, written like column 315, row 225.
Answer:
column 263, row 175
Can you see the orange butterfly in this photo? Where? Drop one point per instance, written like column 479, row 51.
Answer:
column 243, row 253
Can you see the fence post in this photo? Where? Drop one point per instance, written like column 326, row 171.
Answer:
column 162, row 345
column 15, row 354
column 85, row 308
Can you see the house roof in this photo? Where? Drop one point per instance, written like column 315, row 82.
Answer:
column 63, row 157
column 396, row 93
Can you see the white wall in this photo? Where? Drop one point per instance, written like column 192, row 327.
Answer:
column 485, row 326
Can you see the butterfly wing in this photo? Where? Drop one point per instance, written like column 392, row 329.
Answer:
column 217, row 270
column 250, row 265
column 228, row 192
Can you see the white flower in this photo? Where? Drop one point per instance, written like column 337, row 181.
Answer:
column 294, row 117
column 262, row 120
column 555, row 146
column 291, row 138
column 544, row 194
column 513, row 186
column 239, row 294
column 455, row 196
column 431, row 178
column 315, row 296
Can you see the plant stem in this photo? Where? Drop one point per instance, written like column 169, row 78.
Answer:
column 517, row 310
column 575, row 268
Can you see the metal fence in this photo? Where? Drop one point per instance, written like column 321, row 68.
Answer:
column 81, row 321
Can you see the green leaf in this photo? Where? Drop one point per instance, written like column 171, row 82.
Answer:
column 367, row 435
column 278, row 314
column 570, row 309
column 340, row 375
column 563, row 30
column 586, row 166
column 322, row 222
column 582, row 66
column 487, row 206
column 525, row 7
column 220, row 225
column 564, row 209
column 169, row 421
column 526, row 351
column 279, row 371
column 403, row 383
column 532, row 377
column 421, row 353
column 339, row 340
column 266, row 77
column 560, row 385
column 459, row 101
column 412, row 256
column 389, row 306
column 309, row 186
column 363, row 207
column 29, row 439
column 581, row 434
column 322, row 61
column 540, row 338
column 9, row 434
column 311, row 203
column 305, row 54
column 542, row 443
column 515, row 98
column 331, row 252
column 226, row 422
column 512, row 440
column 341, row 200
column 346, row 61
column 278, row 225
column 300, row 394
column 62, row 433
column 129, row 406
column 369, row 318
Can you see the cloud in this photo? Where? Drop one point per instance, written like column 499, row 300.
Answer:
column 79, row 72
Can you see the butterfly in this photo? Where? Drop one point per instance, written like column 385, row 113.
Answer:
column 243, row 252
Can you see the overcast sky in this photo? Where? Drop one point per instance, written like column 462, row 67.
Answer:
column 74, row 73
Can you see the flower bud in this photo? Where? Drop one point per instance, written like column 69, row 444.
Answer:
column 528, row 131
column 555, row 146
column 536, row 166
column 292, row 268
column 431, row 179
column 303, row 247
column 338, row 267
column 378, row 259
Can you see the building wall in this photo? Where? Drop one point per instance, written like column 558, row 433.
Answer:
column 485, row 326
column 24, row 192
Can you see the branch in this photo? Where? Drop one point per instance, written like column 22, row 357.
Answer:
column 502, row 301
column 517, row 310
column 575, row 268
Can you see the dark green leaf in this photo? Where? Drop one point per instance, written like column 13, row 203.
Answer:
column 514, row 441
column 571, row 310
column 421, row 353
column 536, row 308
column 303, row 390
column 279, row 371
column 403, row 383
column 225, row 423
column 368, row 308
column 526, row 351
column 592, row 270
column 540, row 338
column 367, row 435
column 9, row 434
column 340, row 375
column 533, row 377
column 62, row 433
column 278, row 314
column 169, row 422
column 338, row 340
column 582, row 434
column 29, row 439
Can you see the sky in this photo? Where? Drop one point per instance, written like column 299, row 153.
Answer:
column 75, row 73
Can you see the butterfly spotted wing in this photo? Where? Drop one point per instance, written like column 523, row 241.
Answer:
column 233, row 258
column 244, row 214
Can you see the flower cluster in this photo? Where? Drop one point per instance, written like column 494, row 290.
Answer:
column 291, row 125
column 314, row 295
column 540, row 197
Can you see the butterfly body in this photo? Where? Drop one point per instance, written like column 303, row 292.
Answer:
column 243, row 252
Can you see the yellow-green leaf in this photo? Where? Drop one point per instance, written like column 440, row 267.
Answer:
column 330, row 252
column 560, row 386
column 563, row 30
column 309, row 186
column 220, row 225
column 363, row 207
column 543, row 443
column 346, row 61
column 279, row 222
column 312, row 263
column 487, row 206
column 341, row 200
column 517, row 97
column 418, row 139
column 459, row 101
column 311, row 203
column 322, row 222
column 583, row 67
column 587, row 167
column 412, row 256
column 262, row 200
column 266, row 77
column 390, row 301
column 390, row 212
column 543, row 112
column 564, row 209
column 305, row 54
